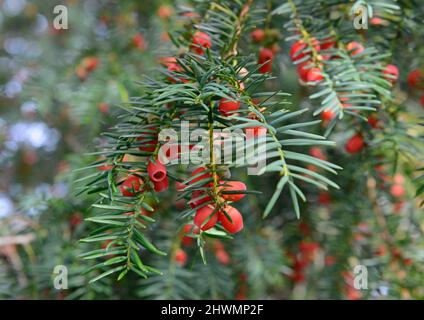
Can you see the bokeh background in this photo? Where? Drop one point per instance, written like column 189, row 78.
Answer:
column 59, row 89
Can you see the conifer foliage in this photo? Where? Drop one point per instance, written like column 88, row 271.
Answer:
column 328, row 110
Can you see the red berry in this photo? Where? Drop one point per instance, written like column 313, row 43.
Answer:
column 226, row 106
column 148, row 146
column 165, row 11
column 317, row 153
column 189, row 228
column 266, row 68
column 308, row 249
column 148, row 140
column 376, row 21
column 205, row 217
column 76, row 219
column 298, row 277
column 105, row 167
column 90, row 63
column 330, row 260
column 200, row 177
column 199, row 197
column 201, row 41
column 81, row 73
column 180, row 186
column 175, row 67
column 131, row 186
column 295, row 50
column 355, row 48
column 138, row 41
column 222, row 256
column 161, row 185
column 166, row 61
column 327, row 115
column 180, row 257
column 103, row 107
column 397, row 190
column 416, row 79
column 355, row 144
column 233, row 186
column 344, row 101
column 373, row 122
column 299, row 46
column 265, row 57
column 422, row 101
column 258, row 35
column 327, row 43
column 255, row 131
column 391, row 72
column 265, row 54
column 314, row 75
column 324, row 198
column 399, row 179
column 236, row 223
column 156, row 171
column 303, row 69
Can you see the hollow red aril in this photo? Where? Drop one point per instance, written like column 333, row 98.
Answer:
column 156, row 171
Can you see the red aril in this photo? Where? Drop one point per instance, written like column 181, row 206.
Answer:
column 131, row 186
column 303, row 69
column 161, row 185
column 299, row 46
column 355, row 48
column 222, row 256
column 355, row 144
column 138, row 41
column 180, row 257
column 236, row 223
column 233, row 186
column 156, row 171
column 265, row 57
column 397, row 190
column 188, row 229
column 201, row 41
column 199, row 197
column 226, row 106
column 327, row 115
column 199, row 177
column 391, row 73
column 327, row 43
column 206, row 217
column 317, row 153
column 314, row 75
column 255, row 131
column 324, row 198
column 257, row 35
column 416, row 79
